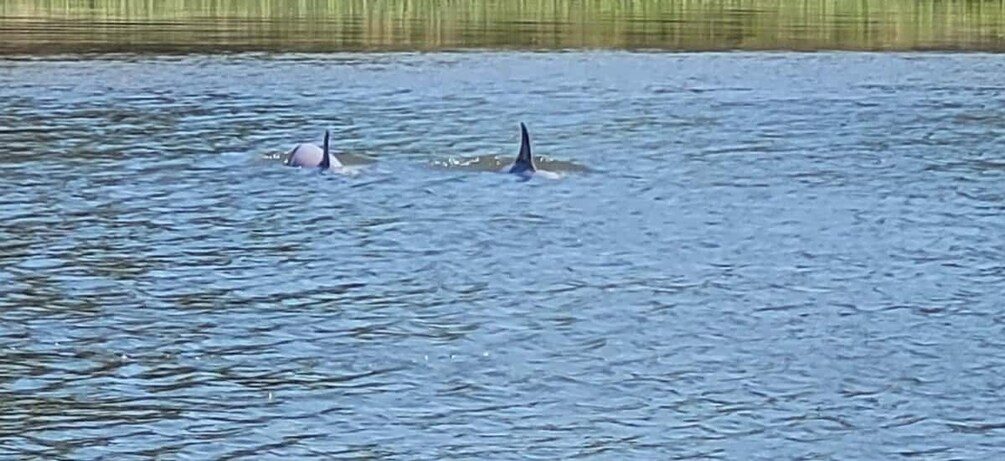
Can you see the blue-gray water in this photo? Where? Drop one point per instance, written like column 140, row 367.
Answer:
column 772, row 256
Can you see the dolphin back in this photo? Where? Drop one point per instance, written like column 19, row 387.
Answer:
column 310, row 155
column 304, row 155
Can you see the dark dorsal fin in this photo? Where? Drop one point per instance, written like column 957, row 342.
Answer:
column 524, row 160
column 326, row 161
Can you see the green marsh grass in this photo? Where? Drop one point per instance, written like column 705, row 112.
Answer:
column 38, row 26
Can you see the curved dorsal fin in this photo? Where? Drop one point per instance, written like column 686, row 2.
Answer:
column 326, row 161
column 525, row 159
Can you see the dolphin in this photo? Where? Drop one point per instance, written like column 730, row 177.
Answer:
column 524, row 164
column 311, row 156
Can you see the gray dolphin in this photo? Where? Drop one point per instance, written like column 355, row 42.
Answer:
column 524, row 164
column 309, row 155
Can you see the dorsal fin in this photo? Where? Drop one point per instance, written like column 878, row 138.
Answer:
column 525, row 159
column 326, row 161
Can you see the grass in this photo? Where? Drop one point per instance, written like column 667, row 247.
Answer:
column 327, row 25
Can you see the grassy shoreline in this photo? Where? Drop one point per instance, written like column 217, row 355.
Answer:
column 39, row 26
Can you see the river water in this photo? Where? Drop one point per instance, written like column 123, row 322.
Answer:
column 750, row 256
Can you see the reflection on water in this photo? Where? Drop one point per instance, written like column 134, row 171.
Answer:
column 46, row 26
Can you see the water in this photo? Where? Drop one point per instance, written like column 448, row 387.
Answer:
column 751, row 255
column 771, row 256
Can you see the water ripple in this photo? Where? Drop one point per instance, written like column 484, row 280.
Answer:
column 752, row 256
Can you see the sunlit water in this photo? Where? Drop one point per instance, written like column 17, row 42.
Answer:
column 763, row 256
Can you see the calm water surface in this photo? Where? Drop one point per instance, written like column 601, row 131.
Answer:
column 772, row 256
